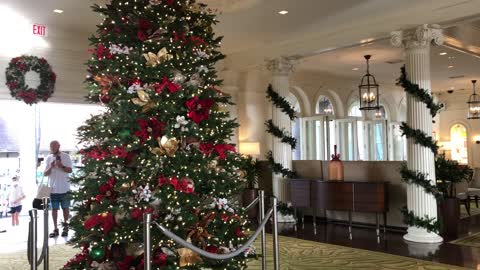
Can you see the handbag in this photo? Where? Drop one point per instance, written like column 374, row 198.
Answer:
column 42, row 192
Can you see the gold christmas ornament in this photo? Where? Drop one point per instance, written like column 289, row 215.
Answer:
column 156, row 59
column 188, row 257
column 167, row 146
column 143, row 100
column 242, row 173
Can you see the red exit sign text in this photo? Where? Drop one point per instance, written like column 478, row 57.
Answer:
column 39, row 30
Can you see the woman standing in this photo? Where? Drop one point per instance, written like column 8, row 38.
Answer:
column 15, row 198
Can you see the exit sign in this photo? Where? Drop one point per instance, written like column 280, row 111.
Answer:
column 39, row 30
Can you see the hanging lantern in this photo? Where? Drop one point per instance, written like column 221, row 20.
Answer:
column 368, row 90
column 326, row 106
column 474, row 104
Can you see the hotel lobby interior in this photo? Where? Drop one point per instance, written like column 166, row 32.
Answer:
column 348, row 130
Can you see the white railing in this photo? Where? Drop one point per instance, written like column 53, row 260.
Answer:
column 263, row 217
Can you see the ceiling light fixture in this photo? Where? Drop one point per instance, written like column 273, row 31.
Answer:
column 59, row 11
column 368, row 90
column 450, row 66
column 443, row 53
column 283, row 12
column 355, row 68
column 474, row 104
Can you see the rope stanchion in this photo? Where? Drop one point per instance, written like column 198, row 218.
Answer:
column 251, row 204
column 261, row 206
column 32, row 254
column 271, row 213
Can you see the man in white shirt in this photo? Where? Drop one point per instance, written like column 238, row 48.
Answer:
column 58, row 166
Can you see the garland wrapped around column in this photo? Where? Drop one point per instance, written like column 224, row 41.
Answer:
column 284, row 135
column 421, row 138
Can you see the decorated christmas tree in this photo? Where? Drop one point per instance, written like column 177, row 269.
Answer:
column 161, row 146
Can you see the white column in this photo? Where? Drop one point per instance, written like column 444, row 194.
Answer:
column 419, row 158
column 282, row 152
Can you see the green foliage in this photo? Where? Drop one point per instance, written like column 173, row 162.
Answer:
column 251, row 168
column 161, row 146
column 285, row 209
column 280, row 133
column 430, row 224
column 278, row 168
column 421, row 94
column 280, row 102
column 418, row 178
column 450, row 172
column 420, row 137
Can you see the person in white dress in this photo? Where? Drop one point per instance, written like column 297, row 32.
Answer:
column 15, row 198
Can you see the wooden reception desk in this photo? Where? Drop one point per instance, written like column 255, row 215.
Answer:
column 350, row 196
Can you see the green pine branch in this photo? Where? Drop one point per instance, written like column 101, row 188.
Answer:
column 280, row 102
column 420, row 137
column 278, row 168
column 418, row 178
column 421, row 94
column 430, row 224
column 280, row 133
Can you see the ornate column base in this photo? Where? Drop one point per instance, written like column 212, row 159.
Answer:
column 419, row 235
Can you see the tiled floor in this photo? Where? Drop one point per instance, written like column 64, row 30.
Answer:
column 393, row 243
column 15, row 238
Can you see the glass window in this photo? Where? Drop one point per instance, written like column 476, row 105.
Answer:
column 458, row 140
column 354, row 110
column 296, row 125
column 324, row 106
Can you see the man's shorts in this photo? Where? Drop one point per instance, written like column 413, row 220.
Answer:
column 59, row 199
column 16, row 209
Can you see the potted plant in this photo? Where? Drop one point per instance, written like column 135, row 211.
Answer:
column 250, row 168
column 449, row 173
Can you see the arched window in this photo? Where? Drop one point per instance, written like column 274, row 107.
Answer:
column 324, row 106
column 354, row 110
column 458, row 141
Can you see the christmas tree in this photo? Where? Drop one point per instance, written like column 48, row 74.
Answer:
column 161, row 146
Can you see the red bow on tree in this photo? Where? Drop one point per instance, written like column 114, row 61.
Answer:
column 220, row 149
column 106, row 220
column 172, row 87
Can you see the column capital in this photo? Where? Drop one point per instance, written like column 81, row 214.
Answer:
column 421, row 36
column 280, row 66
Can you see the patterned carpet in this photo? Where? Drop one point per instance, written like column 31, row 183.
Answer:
column 471, row 240
column 295, row 255
column 473, row 210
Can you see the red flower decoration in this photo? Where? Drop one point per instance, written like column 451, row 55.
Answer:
column 119, row 151
column 106, row 220
column 102, row 52
column 198, row 109
column 144, row 26
column 220, row 149
column 185, row 185
column 159, row 258
column 197, row 41
column 149, row 127
column 239, row 232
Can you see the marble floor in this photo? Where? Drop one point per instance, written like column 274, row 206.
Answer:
column 392, row 242
column 15, row 238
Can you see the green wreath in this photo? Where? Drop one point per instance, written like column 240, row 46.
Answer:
column 15, row 75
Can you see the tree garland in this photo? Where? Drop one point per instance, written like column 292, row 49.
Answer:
column 280, row 102
column 421, row 138
column 430, row 224
column 284, row 136
column 280, row 133
column 15, row 79
column 278, row 168
column 421, row 94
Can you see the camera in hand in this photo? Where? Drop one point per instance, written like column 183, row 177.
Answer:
column 58, row 158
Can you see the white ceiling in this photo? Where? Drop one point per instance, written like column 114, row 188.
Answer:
column 254, row 30
column 341, row 62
